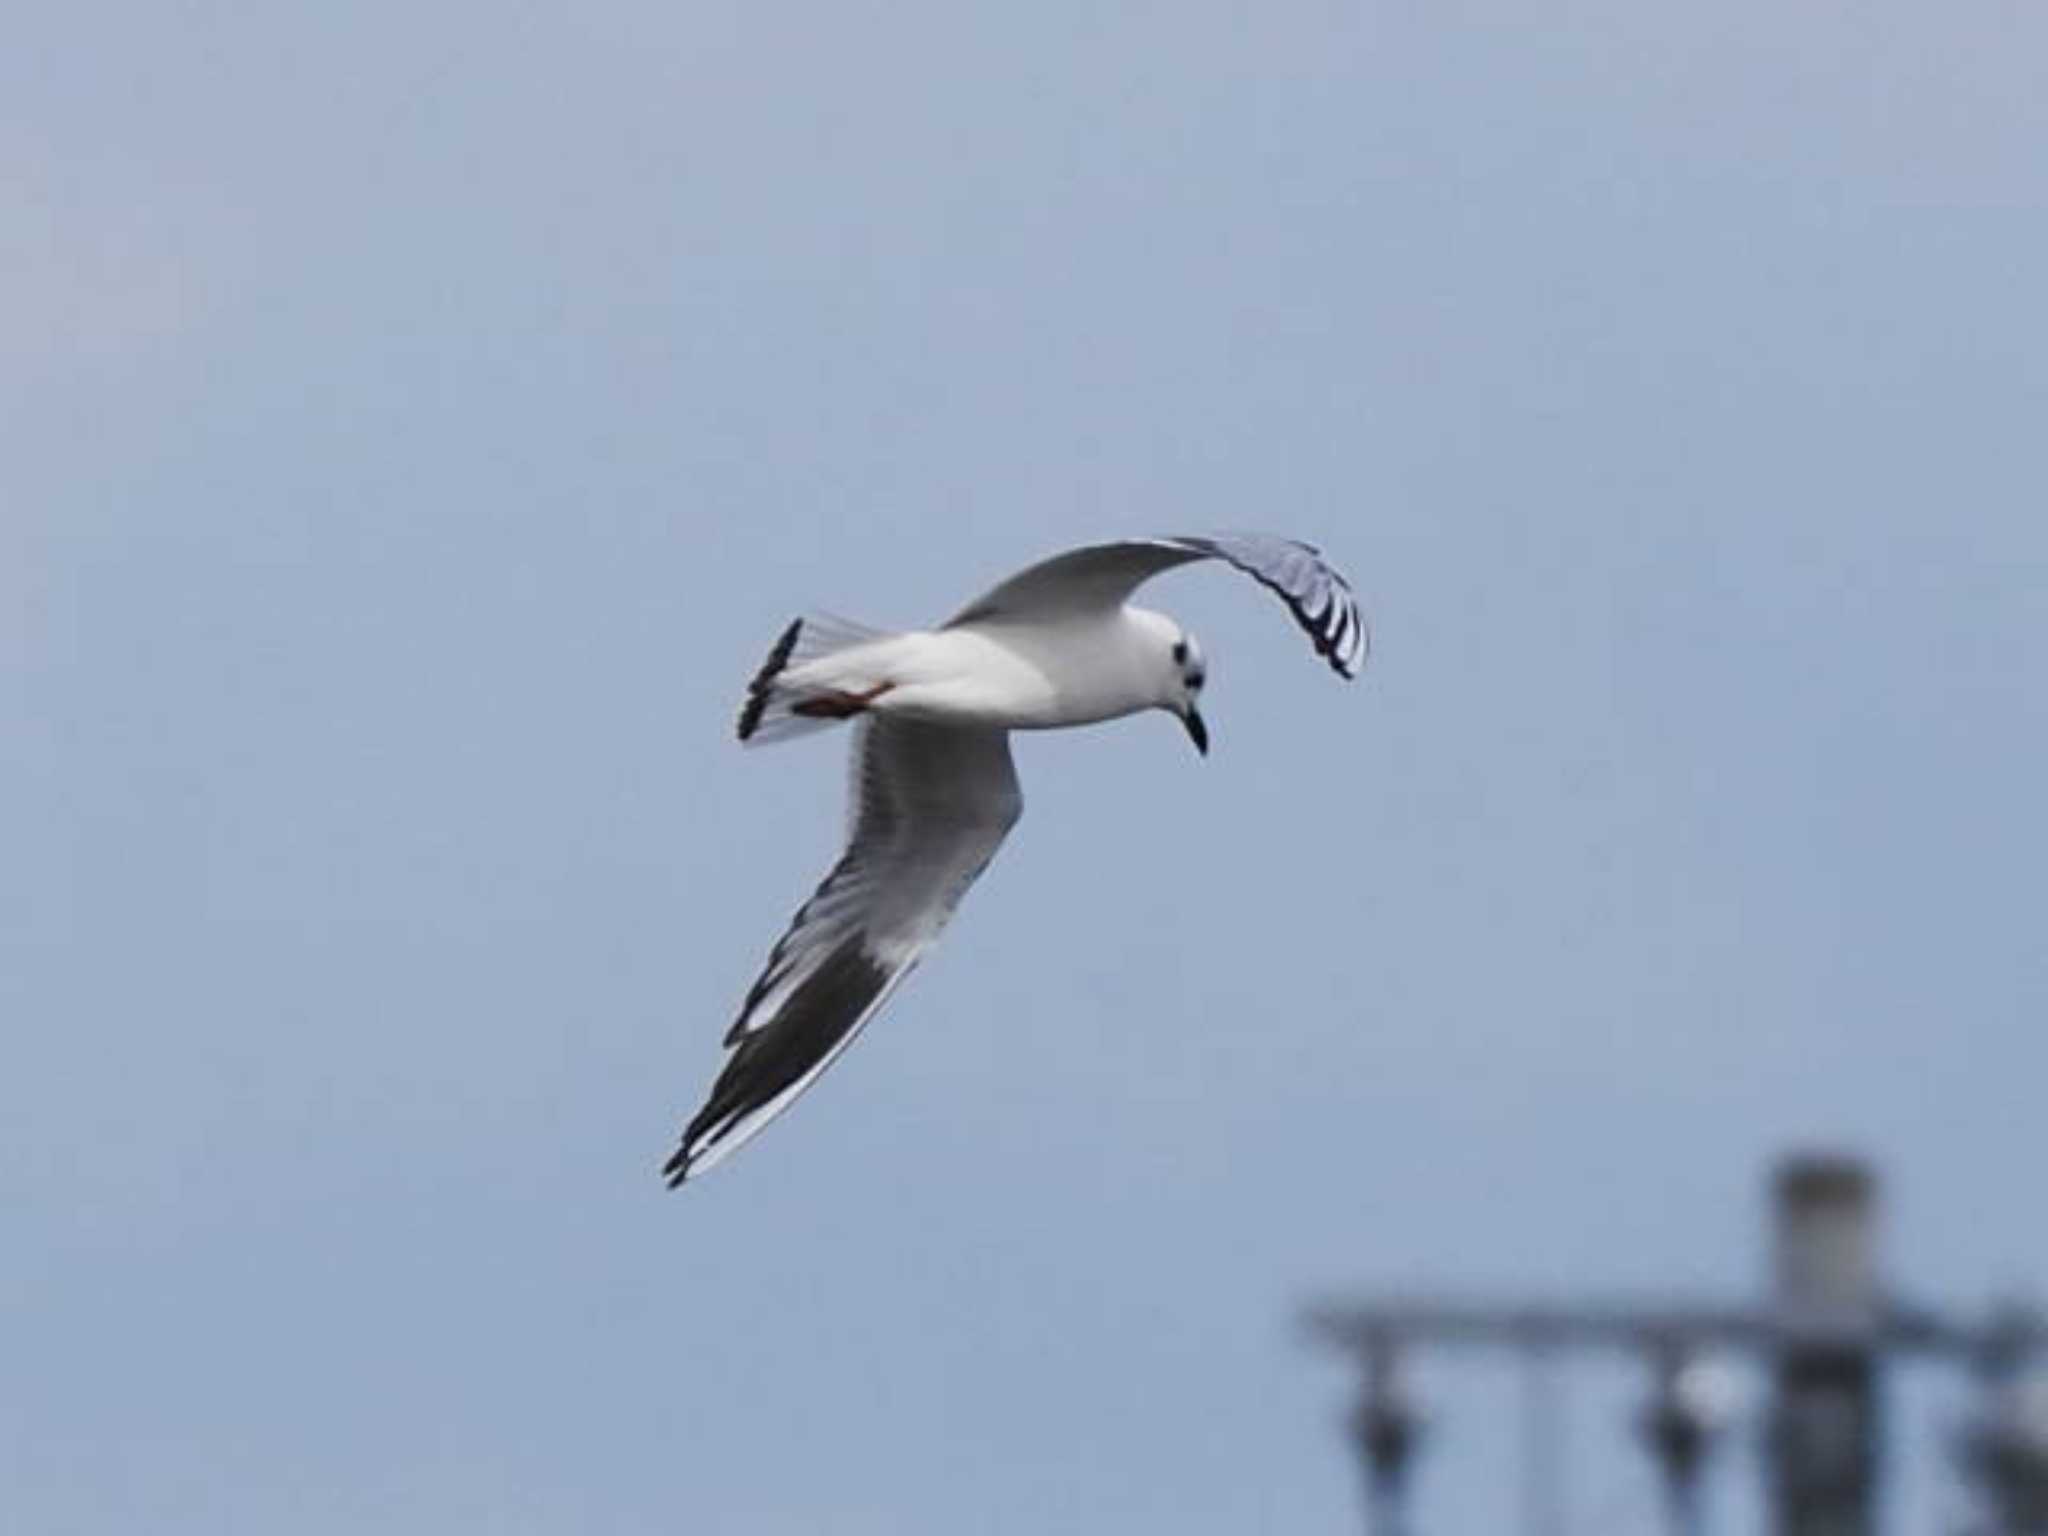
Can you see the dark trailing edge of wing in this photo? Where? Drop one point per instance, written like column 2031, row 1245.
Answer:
column 759, row 689
column 829, row 1002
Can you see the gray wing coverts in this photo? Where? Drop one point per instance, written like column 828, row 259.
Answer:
column 1104, row 575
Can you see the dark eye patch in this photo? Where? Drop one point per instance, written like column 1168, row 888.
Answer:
column 1180, row 651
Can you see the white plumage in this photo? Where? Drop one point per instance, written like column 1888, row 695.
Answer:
column 935, row 791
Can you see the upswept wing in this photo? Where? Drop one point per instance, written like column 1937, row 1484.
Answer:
column 930, row 805
column 1099, row 576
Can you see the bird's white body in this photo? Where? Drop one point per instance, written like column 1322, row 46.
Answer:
column 1007, row 675
column 935, row 790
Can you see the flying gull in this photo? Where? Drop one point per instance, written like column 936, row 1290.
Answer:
column 934, row 790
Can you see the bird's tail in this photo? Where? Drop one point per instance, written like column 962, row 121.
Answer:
column 789, row 696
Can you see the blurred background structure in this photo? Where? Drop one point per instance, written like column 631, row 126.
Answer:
column 1820, row 1341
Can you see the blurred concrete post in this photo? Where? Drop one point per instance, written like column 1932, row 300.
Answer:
column 1824, row 1425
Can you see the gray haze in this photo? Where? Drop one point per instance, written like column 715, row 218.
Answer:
column 417, row 423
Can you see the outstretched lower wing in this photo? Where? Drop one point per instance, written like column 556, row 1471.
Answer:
column 1105, row 575
column 931, row 804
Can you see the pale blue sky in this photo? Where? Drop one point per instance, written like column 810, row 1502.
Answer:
column 414, row 425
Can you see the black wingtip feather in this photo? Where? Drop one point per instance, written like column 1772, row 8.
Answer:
column 759, row 689
column 1326, row 628
column 832, row 1000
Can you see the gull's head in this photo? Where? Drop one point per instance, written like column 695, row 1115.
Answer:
column 1184, row 685
column 1174, row 670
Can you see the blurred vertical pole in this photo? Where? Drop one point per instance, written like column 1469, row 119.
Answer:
column 1687, row 1410
column 1386, row 1426
column 1542, row 1443
column 1824, row 1429
column 2004, row 1444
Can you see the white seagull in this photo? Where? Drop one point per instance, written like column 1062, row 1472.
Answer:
column 934, row 790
